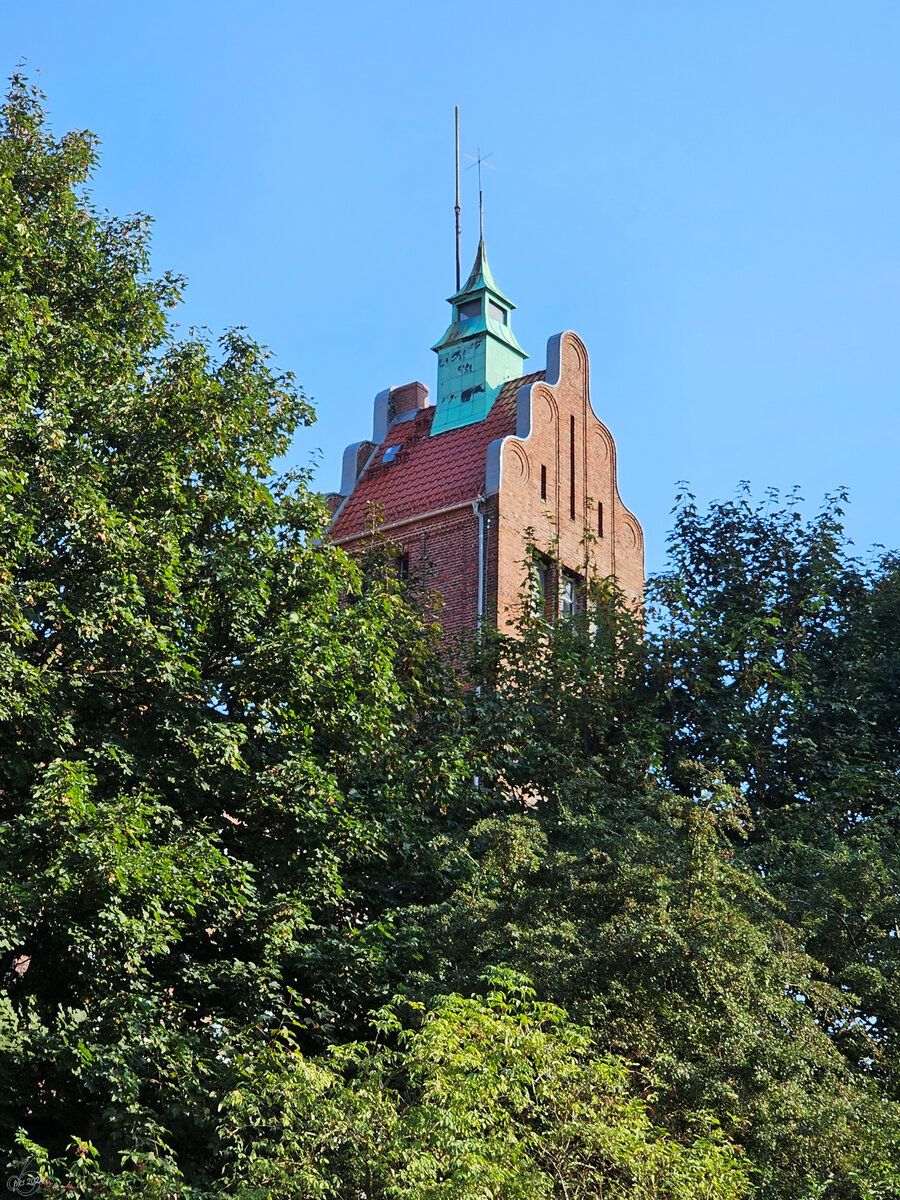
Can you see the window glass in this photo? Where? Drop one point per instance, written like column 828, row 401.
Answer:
column 540, row 582
column 496, row 312
column 568, row 596
column 471, row 308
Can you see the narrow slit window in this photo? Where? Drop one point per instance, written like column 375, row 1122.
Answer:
column 599, row 518
column 543, row 483
column 572, row 468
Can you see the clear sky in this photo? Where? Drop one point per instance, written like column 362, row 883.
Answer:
column 707, row 192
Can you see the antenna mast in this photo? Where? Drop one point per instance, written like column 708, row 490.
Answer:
column 478, row 161
column 480, row 199
column 458, row 230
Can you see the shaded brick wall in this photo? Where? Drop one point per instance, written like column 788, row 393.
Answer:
column 442, row 550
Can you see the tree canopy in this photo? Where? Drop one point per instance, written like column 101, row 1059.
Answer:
column 291, row 909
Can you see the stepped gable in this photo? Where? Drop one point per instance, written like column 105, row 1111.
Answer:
column 428, row 473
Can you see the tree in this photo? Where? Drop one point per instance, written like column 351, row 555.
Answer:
column 217, row 775
column 776, row 656
column 642, row 923
column 772, row 648
column 496, row 1096
column 648, row 880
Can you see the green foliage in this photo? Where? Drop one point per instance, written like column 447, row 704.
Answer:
column 564, row 707
column 652, row 933
column 495, row 1096
column 743, row 952
column 776, row 653
column 776, row 658
column 216, row 777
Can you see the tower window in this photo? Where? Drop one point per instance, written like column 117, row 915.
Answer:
column 540, row 585
column 543, row 483
column 471, row 308
column 599, row 518
column 496, row 313
column 568, row 595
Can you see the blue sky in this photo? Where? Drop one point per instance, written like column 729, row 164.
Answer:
column 707, row 192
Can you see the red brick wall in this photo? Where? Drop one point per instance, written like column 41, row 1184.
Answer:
column 577, row 453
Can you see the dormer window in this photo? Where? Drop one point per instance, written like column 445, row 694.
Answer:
column 496, row 313
column 390, row 454
column 471, row 308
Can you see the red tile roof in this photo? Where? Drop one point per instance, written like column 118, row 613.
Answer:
column 428, row 473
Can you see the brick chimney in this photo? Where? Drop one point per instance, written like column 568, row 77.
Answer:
column 407, row 399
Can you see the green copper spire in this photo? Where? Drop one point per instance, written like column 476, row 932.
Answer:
column 478, row 353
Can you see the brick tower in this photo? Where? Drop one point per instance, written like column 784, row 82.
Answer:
column 502, row 461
